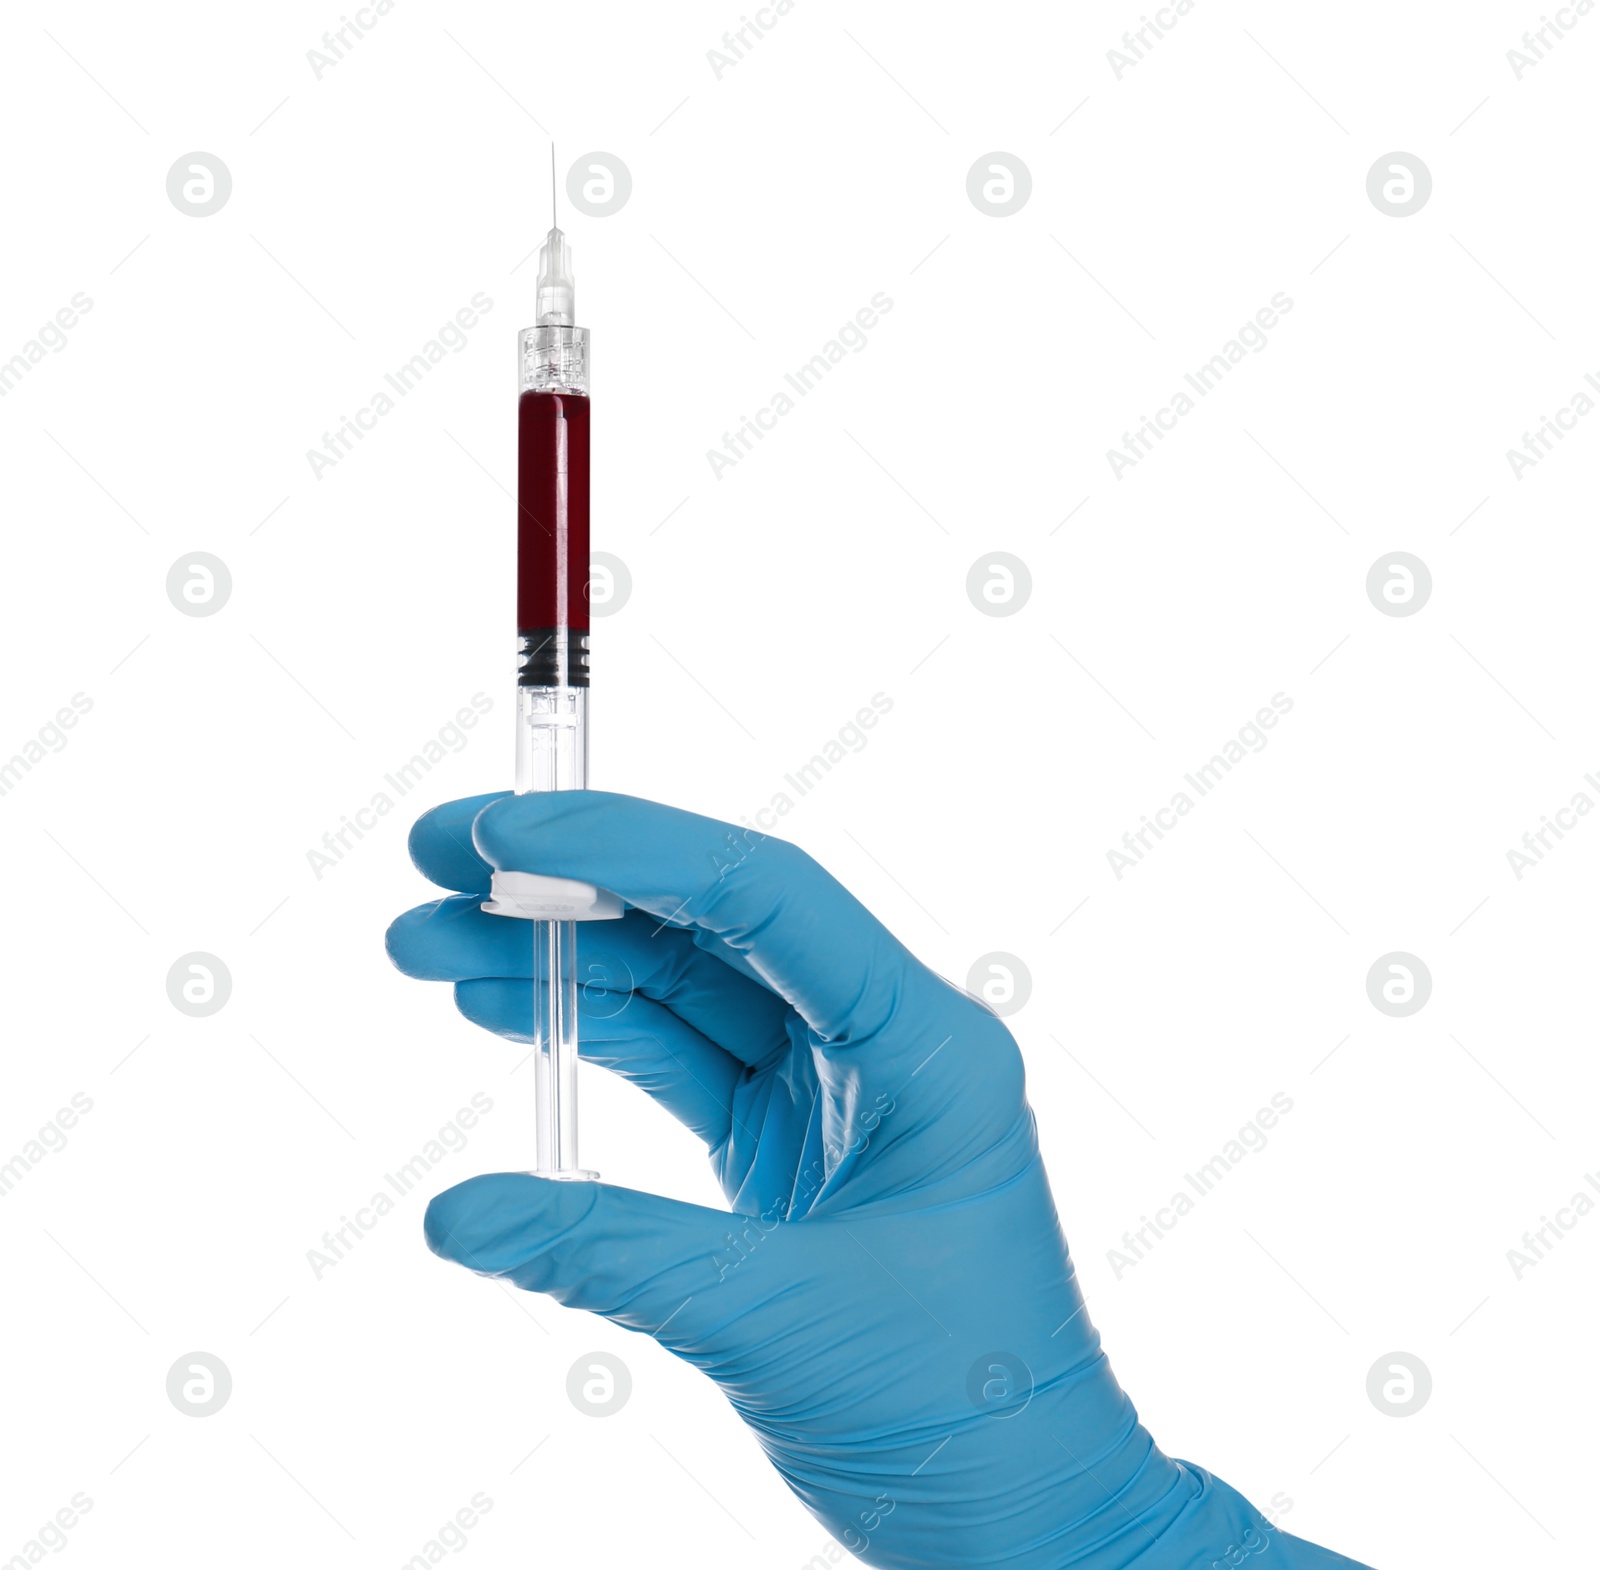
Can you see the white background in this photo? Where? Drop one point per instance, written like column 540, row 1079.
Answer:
column 767, row 606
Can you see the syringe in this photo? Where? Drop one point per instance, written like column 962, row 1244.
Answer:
column 553, row 678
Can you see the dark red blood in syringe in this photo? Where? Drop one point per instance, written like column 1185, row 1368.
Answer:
column 552, row 512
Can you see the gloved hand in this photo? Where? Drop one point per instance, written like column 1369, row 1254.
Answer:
column 890, row 1306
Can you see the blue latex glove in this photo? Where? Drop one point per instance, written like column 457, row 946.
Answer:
column 890, row 1306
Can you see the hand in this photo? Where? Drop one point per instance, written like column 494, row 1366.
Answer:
column 890, row 1305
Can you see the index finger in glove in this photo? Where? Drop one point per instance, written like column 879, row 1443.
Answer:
column 800, row 930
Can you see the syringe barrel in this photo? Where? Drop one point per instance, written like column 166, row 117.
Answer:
column 552, row 685
column 552, row 738
column 553, row 539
